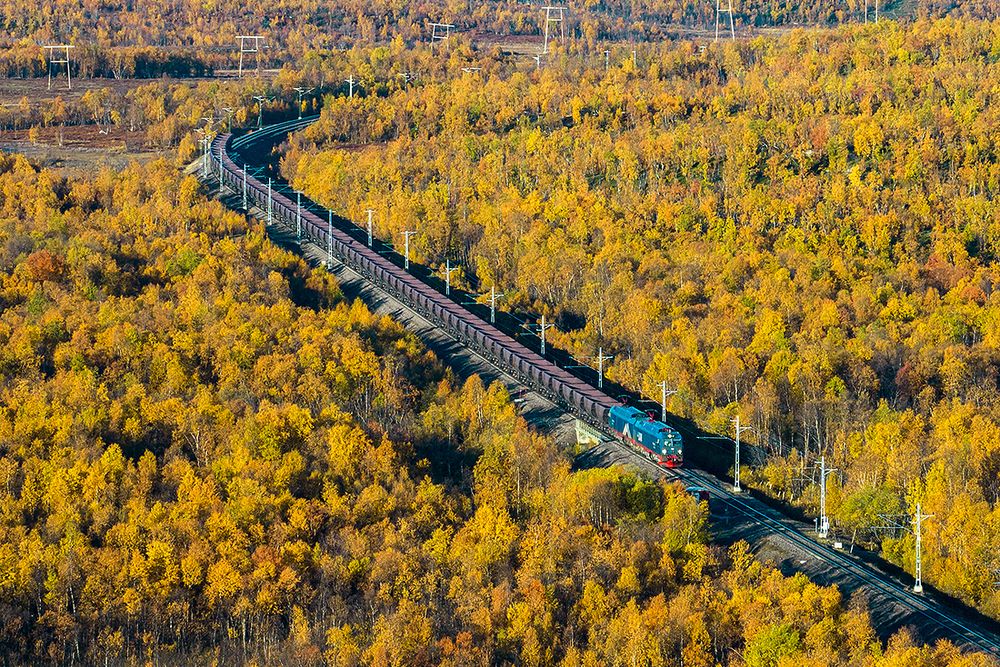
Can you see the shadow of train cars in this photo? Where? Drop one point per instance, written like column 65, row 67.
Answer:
column 655, row 439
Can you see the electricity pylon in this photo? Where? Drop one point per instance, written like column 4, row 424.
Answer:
column 718, row 12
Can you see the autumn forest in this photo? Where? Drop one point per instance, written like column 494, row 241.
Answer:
column 210, row 454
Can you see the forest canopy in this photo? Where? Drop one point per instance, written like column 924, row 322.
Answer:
column 798, row 230
column 208, row 455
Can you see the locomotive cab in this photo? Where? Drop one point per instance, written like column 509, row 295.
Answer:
column 653, row 438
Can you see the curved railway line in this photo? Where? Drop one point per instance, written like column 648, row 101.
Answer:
column 348, row 244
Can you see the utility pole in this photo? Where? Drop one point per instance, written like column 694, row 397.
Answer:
column 210, row 158
column 269, row 217
column 440, row 32
column 203, row 143
column 824, row 520
column 736, row 475
column 601, row 358
column 866, row 11
column 350, row 82
column 553, row 15
column 301, row 91
column 406, row 244
column 229, row 118
column 493, row 304
column 542, row 328
column 664, row 392
column 253, row 47
column 298, row 216
column 894, row 523
column 370, row 211
column 918, row 570
column 260, row 100
column 448, row 268
column 245, row 187
column 50, row 52
column 718, row 11
column 206, row 157
column 329, row 239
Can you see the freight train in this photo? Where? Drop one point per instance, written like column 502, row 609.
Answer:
column 230, row 156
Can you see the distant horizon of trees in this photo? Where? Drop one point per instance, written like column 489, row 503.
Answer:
column 294, row 27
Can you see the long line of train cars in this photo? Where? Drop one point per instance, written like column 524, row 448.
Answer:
column 653, row 438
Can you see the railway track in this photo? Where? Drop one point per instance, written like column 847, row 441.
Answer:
column 231, row 156
column 968, row 634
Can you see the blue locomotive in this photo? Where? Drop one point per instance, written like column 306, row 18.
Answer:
column 662, row 443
